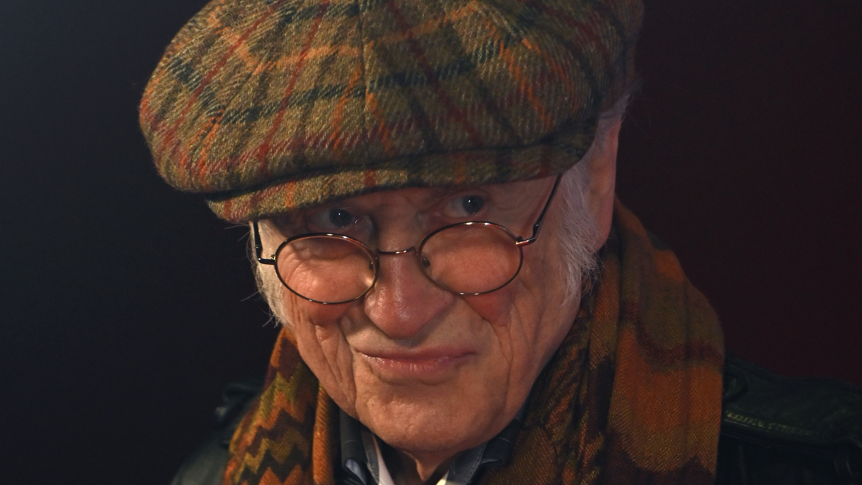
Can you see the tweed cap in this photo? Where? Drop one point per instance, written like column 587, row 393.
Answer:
column 264, row 106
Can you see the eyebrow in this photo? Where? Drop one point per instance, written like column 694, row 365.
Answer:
column 434, row 195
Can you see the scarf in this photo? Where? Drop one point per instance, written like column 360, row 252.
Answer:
column 633, row 394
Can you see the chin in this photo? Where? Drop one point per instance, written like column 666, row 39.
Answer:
column 432, row 421
column 429, row 432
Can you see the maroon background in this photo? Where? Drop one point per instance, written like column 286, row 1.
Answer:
column 742, row 152
column 125, row 306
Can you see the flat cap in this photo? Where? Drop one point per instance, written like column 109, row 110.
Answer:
column 264, row 106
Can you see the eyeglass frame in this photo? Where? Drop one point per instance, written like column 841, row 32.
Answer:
column 375, row 254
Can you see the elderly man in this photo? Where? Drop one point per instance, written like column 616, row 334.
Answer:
column 429, row 186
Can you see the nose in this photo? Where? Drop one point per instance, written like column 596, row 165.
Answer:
column 404, row 302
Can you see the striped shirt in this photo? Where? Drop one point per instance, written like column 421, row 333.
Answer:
column 363, row 461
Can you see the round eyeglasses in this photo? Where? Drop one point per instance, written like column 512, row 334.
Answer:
column 467, row 258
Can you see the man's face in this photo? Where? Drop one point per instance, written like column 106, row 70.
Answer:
column 427, row 370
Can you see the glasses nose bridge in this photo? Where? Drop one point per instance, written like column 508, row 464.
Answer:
column 399, row 252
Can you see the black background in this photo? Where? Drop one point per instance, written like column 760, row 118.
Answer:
column 125, row 306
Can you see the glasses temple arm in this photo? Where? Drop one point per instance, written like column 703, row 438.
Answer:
column 538, row 225
column 258, row 246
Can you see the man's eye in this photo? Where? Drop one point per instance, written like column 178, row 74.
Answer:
column 465, row 206
column 341, row 218
column 333, row 219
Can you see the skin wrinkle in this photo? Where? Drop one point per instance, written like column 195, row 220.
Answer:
column 308, row 332
column 340, row 356
column 514, row 330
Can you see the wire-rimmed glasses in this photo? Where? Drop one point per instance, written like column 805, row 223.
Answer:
column 466, row 258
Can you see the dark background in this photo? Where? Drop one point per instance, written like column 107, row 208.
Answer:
column 125, row 306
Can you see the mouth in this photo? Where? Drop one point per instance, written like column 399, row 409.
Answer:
column 431, row 367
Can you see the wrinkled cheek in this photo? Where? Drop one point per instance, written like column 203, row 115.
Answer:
column 514, row 314
column 499, row 316
column 302, row 313
column 316, row 328
column 322, row 345
column 494, row 307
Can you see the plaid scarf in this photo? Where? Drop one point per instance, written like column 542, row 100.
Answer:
column 633, row 395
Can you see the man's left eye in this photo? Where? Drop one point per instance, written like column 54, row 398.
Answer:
column 465, row 206
column 333, row 219
column 341, row 218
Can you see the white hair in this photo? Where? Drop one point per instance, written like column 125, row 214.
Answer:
column 269, row 286
column 578, row 230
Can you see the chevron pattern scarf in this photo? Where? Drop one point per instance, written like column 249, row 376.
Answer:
column 632, row 396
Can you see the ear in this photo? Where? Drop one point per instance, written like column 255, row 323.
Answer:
column 602, row 159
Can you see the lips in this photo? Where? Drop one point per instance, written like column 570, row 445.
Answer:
column 432, row 366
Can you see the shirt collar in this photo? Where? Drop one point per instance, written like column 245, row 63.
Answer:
column 360, row 456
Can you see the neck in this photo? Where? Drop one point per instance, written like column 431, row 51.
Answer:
column 415, row 469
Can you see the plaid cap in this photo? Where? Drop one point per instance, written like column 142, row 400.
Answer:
column 265, row 106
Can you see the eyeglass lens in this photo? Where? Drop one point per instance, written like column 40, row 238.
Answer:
column 326, row 269
column 467, row 258
column 472, row 258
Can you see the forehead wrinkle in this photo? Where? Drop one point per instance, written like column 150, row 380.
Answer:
column 394, row 203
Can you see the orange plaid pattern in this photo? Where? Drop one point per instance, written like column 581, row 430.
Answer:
column 265, row 106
